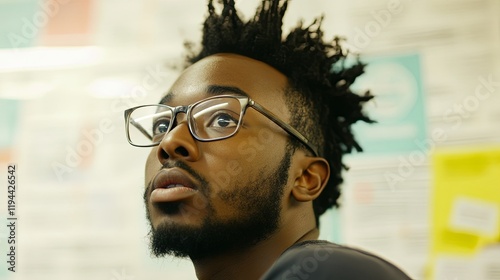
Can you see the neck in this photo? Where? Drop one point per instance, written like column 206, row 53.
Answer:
column 253, row 262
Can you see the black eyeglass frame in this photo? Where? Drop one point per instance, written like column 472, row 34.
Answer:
column 244, row 101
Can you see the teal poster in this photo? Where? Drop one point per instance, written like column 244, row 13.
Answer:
column 20, row 23
column 398, row 106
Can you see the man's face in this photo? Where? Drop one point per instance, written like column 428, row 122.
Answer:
column 205, row 198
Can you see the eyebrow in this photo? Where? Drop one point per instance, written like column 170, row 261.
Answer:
column 219, row 89
column 167, row 98
column 211, row 90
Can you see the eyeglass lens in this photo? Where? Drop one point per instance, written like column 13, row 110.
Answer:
column 210, row 119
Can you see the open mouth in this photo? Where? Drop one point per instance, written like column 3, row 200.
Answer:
column 172, row 185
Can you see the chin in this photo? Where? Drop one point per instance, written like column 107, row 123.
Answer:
column 174, row 214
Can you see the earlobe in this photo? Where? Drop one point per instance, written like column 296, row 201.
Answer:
column 313, row 178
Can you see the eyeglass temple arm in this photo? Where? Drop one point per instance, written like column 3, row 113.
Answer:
column 141, row 128
column 285, row 126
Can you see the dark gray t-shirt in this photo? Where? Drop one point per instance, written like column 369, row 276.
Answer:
column 321, row 260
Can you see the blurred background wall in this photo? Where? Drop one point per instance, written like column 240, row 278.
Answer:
column 425, row 194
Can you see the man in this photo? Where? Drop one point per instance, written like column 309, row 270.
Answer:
column 246, row 152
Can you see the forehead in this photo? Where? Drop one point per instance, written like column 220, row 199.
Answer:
column 258, row 80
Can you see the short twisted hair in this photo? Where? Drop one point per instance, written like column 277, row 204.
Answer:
column 318, row 73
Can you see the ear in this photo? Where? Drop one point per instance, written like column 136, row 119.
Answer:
column 312, row 179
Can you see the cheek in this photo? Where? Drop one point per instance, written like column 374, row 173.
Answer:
column 235, row 164
column 258, row 145
column 242, row 158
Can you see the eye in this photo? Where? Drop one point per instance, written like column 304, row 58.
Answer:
column 160, row 126
column 222, row 120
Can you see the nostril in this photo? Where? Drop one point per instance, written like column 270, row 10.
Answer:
column 182, row 151
column 163, row 154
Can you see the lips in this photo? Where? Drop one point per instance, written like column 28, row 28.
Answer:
column 171, row 185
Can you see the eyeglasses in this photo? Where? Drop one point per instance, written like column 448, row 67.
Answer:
column 210, row 119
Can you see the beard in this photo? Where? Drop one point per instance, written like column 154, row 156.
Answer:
column 258, row 203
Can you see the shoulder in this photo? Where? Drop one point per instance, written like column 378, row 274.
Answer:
column 319, row 260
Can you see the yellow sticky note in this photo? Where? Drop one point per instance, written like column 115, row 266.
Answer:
column 465, row 202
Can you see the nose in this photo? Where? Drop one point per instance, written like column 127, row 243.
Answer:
column 178, row 143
